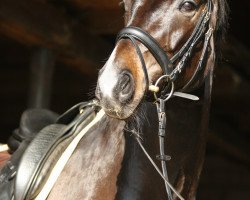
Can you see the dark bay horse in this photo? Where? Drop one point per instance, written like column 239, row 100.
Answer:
column 111, row 165
column 122, row 86
column 108, row 162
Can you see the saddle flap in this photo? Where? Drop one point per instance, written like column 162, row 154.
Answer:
column 33, row 159
column 43, row 152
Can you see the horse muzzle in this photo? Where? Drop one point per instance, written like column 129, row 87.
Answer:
column 115, row 91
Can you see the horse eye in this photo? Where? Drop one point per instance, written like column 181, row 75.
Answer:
column 187, row 6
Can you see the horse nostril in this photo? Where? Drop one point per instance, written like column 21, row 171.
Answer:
column 125, row 87
column 125, row 84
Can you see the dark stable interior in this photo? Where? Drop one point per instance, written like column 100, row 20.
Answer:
column 33, row 33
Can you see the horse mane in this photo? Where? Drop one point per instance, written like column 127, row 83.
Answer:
column 222, row 21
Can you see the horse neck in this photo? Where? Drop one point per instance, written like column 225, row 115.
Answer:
column 91, row 173
column 138, row 179
column 100, row 169
column 185, row 143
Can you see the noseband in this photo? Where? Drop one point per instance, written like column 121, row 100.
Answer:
column 171, row 68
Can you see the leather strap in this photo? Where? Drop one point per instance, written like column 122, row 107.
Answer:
column 152, row 45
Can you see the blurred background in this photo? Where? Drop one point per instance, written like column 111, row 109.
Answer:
column 51, row 51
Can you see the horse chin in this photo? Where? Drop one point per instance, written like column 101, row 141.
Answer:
column 121, row 112
column 117, row 113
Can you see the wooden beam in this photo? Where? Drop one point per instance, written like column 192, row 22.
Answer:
column 99, row 16
column 41, row 75
column 40, row 24
column 100, row 4
column 111, row 21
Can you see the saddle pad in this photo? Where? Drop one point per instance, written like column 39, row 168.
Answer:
column 3, row 148
column 4, row 157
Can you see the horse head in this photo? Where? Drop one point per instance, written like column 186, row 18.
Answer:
column 122, row 82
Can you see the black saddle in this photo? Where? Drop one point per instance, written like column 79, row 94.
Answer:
column 37, row 144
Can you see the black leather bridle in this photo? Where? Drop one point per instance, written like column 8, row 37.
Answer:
column 136, row 34
column 171, row 68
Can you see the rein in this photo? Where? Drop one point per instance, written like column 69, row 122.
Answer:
column 170, row 75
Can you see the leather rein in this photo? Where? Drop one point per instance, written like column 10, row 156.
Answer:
column 170, row 75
